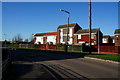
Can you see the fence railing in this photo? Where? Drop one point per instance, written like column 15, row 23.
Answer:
column 72, row 48
column 78, row 48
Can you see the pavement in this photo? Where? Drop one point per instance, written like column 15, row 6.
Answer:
column 28, row 64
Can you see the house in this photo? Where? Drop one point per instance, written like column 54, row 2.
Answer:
column 112, row 40
column 45, row 38
column 117, row 37
column 62, row 33
column 76, row 36
column 106, row 39
column 83, row 36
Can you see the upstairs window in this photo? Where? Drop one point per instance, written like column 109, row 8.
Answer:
column 65, row 31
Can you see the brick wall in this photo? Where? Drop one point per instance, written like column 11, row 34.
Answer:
column 58, row 36
column 45, row 47
column 44, row 40
column 85, row 38
column 117, row 40
column 108, row 49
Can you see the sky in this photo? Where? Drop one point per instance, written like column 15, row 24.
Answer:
column 27, row 18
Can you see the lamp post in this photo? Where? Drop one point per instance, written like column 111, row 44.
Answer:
column 67, row 28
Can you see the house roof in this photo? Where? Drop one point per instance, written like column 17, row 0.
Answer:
column 46, row 34
column 106, row 36
column 117, row 31
column 112, row 37
column 81, row 31
column 70, row 25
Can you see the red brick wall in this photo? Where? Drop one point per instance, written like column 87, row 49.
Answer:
column 109, row 49
column 42, row 46
column 51, row 47
column 44, row 40
column 58, row 36
column 75, row 39
column 117, row 40
column 85, row 38
column 34, row 40
column 46, row 47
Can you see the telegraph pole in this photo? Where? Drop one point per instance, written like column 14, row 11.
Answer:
column 90, row 23
column 99, row 41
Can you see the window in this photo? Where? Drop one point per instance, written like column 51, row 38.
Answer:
column 65, row 31
column 79, row 36
column 39, row 42
column 104, row 39
column 113, row 41
column 92, row 36
column 65, row 38
column 92, row 43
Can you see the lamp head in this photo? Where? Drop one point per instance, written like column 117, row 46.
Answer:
column 61, row 10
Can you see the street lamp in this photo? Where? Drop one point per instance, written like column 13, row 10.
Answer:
column 67, row 28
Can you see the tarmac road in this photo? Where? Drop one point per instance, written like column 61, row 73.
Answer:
column 69, row 66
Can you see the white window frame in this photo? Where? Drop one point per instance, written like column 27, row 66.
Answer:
column 79, row 36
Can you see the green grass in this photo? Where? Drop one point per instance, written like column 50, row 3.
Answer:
column 113, row 57
column 12, row 46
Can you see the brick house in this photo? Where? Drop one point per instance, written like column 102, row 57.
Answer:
column 44, row 38
column 62, row 33
column 83, row 36
column 112, row 39
column 76, row 36
column 117, row 37
column 106, row 39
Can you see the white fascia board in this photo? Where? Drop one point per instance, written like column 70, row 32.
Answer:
column 81, row 41
column 52, row 35
column 117, row 34
column 45, row 36
column 39, row 36
column 84, row 33
column 66, row 27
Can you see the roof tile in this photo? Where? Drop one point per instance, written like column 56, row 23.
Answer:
column 117, row 31
column 87, row 31
column 46, row 34
column 70, row 25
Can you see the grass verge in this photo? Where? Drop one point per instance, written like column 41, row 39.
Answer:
column 113, row 57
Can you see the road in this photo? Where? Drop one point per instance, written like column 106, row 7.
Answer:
column 26, row 64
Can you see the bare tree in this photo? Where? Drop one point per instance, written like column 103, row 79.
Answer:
column 17, row 38
column 26, row 40
column 31, row 38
